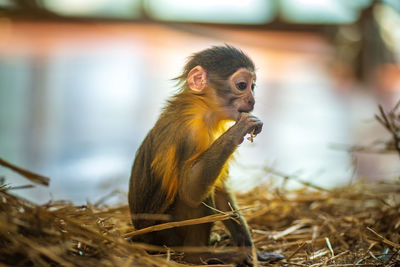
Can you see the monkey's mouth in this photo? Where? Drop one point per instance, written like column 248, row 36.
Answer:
column 233, row 113
column 246, row 110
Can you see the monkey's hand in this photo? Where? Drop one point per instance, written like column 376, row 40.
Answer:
column 248, row 124
column 266, row 257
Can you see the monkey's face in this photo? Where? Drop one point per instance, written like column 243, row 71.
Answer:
column 238, row 93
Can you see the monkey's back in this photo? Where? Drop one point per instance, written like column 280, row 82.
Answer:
column 184, row 130
column 153, row 180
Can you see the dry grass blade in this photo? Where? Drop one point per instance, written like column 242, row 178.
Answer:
column 254, row 256
column 295, row 178
column 389, row 122
column 35, row 247
column 338, row 256
column 159, row 227
column 328, row 243
column 384, row 240
column 36, row 178
column 287, row 231
column 296, row 251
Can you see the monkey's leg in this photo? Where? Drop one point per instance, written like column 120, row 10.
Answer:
column 198, row 236
column 238, row 228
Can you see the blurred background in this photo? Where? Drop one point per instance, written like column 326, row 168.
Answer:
column 82, row 82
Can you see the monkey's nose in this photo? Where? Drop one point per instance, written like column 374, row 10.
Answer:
column 251, row 103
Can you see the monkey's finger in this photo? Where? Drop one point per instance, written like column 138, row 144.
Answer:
column 257, row 128
column 257, row 122
column 243, row 116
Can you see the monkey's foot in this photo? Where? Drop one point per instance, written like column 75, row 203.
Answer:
column 269, row 257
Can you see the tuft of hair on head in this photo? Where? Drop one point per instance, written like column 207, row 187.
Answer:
column 219, row 61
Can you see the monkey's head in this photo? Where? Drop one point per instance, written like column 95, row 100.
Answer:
column 225, row 74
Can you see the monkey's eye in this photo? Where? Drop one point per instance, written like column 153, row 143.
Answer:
column 241, row 86
column 253, row 86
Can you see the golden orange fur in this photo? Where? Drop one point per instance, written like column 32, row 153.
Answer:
column 205, row 126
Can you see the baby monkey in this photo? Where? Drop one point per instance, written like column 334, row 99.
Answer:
column 181, row 168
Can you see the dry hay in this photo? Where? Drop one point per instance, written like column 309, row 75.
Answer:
column 357, row 225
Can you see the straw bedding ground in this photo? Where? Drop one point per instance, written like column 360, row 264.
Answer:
column 357, row 225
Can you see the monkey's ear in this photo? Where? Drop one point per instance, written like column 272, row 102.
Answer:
column 197, row 79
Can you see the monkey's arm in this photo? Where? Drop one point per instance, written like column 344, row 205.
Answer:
column 199, row 177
